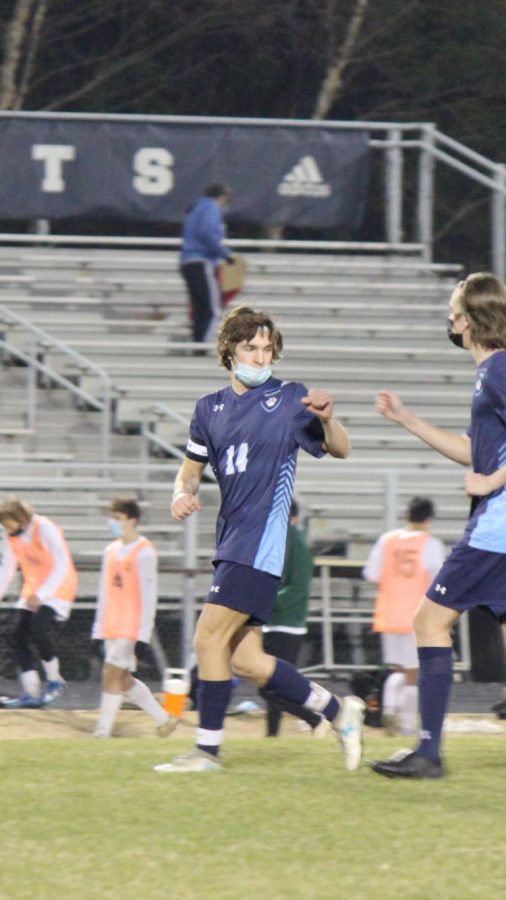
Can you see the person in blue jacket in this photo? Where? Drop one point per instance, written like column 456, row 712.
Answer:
column 201, row 252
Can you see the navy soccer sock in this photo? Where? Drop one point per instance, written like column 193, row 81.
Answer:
column 212, row 698
column 434, row 683
column 288, row 683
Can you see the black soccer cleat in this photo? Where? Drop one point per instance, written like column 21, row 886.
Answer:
column 408, row 764
column 500, row 709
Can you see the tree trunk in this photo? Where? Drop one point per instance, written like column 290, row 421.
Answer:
column 15, row 37
column 31, row 51
column 333, row 80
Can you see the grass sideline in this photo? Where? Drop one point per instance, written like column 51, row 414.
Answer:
column 90, row 819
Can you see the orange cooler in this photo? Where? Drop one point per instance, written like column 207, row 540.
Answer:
column 175, row 694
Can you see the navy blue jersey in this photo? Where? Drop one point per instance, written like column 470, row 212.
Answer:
column 488, row 415
column 251, row 442
column 487, row 526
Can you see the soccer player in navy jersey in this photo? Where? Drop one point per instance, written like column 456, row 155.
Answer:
column 474, row 574
column 250, row 433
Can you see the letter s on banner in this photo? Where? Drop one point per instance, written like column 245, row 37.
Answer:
column 53, row 156
column 154, row 172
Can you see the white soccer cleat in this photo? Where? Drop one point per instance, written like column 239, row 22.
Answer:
column 168, row 727
column 348, row 726
column 194, row 761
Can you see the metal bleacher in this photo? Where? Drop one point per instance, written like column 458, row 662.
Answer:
column 350, row 324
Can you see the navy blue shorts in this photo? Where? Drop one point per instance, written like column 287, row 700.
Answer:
column 244, row 589
column 470, row 578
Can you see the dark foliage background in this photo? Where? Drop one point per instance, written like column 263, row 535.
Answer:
column 409, row 61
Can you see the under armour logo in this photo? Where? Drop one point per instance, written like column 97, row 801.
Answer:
column 441, row 589
column 214, row 589
column 425, row 735
column 218, row 407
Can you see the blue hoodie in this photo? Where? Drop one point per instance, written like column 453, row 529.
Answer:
column 203, row 233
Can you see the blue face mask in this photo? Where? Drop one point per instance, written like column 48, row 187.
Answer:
column 251, row 376
column 115, row 527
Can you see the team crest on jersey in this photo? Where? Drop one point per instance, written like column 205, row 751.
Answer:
column 271, row 401
column 478, row 388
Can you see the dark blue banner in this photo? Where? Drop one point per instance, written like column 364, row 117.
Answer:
column 58, row 168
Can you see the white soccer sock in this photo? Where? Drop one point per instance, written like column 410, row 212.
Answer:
column 409, row 709
column 392, row 692
column 52, row 669
column 109, row 707
column 318, row 699
column 30, row 682
column 140, row 694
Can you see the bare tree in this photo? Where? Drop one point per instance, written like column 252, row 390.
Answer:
column 333, row 80
column 31, row 52
column 20, row 46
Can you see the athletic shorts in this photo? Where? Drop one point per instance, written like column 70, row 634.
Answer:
column 120, row 652
column 244, row 589
column 470, row 578
column 399, row 650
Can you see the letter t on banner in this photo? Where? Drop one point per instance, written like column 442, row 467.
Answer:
column 53, row 155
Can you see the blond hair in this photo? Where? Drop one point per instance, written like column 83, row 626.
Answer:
column 15, row 508
column 483, row 300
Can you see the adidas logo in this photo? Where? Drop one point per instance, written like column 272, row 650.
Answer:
column 304, row 180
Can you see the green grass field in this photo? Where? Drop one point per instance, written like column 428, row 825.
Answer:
column 90, row 819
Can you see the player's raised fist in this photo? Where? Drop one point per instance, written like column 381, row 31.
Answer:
column 183, row 505
column 319, row 402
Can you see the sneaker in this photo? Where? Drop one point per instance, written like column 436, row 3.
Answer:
column 408, row 764
column 500, row 709
column 27, row 701
column 194, row 761
column 168, row 727
column 322, row 729
column 349, row 724
column 53, row 690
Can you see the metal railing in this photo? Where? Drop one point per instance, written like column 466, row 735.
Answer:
column 392, row 139
column 39, row 342
column 152, row 439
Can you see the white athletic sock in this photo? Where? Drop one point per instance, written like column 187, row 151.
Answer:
column 110, row 705
column 392, row 692
column 409, row 709
column 140, row 694
column 30, row 682
column 52, row 669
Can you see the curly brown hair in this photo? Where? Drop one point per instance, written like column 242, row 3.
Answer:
column 483, row 301
column 242, row 324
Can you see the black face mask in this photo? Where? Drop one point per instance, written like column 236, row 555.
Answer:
column 456, row 339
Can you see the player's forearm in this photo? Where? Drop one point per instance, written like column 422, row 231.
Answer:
column 337, row 440
column 186, row 483
column 185, row 500
column 454, row 446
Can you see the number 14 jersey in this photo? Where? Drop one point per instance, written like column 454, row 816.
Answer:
column 251, row 441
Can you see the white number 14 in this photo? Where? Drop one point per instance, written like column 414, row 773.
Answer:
column 236, row 462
